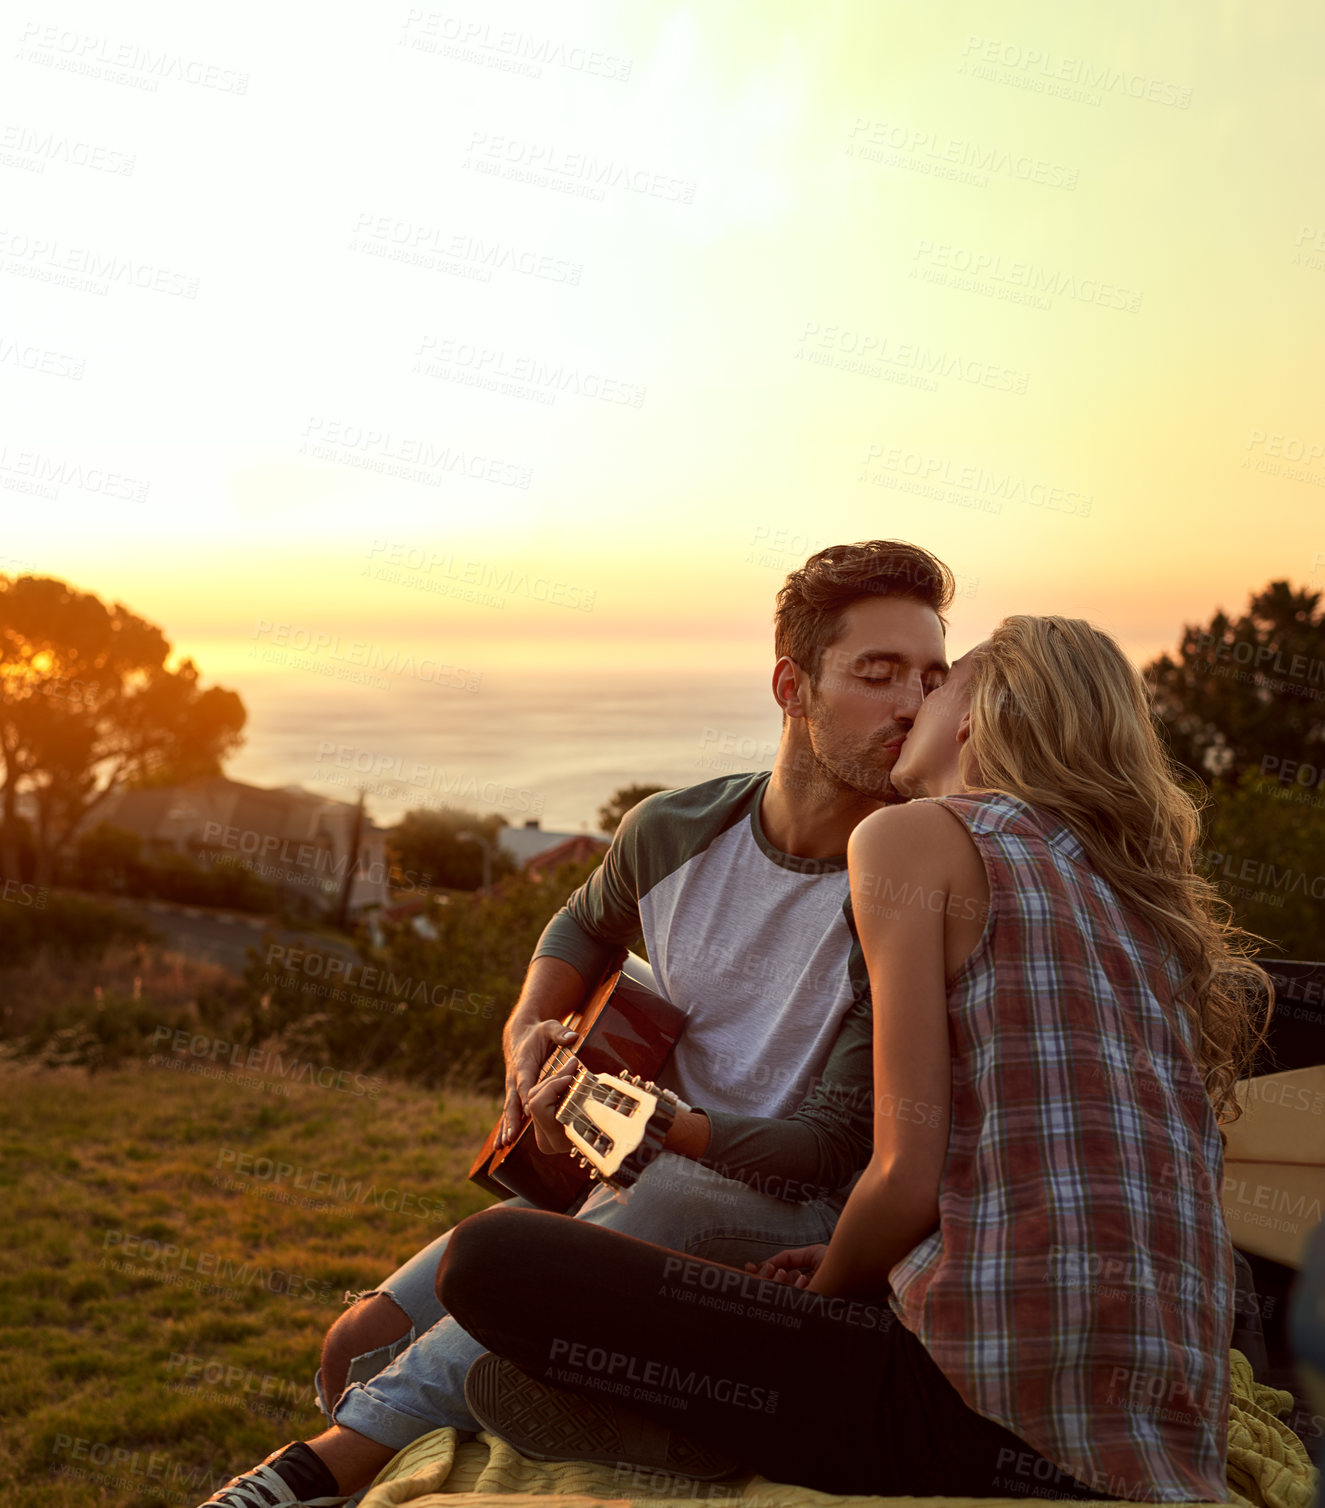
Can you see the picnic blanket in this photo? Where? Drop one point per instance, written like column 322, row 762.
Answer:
column 1268, row 1467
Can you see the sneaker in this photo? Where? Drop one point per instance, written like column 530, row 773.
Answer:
column 549, row 1423
column 293, row 1477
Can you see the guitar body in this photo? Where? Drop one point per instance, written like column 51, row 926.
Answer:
column 622, row 1027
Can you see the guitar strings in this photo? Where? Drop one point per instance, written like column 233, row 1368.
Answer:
column 614, row 1098
column 558, row 1059
column 581, row 1121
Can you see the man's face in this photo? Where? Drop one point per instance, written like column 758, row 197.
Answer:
column 930, row 756
column 871, row 684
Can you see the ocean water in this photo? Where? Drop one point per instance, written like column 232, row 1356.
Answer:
column 524, row 744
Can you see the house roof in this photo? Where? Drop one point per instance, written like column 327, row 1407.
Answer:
column 525, row 843
column 165, row 813
column 575, row 849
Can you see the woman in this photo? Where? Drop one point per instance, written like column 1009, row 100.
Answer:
column 1030, row 1288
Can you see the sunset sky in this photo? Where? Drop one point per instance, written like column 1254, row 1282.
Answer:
column 645, row 303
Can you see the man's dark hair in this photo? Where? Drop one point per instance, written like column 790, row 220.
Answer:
column 812, row 600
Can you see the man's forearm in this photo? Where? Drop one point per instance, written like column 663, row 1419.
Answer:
column 551, row 989
column 689, row 1134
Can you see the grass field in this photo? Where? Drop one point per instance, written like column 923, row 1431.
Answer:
column 175, row 1248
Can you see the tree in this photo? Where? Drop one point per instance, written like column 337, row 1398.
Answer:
column 610, row 815
column 1247, row 694
column 1262, row 849
column 109, row 858
column 88, row 704
column 430, row 842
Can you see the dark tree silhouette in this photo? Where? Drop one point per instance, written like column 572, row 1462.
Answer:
column 1244, row 692
column 610, row 815
column 87, row 703
column 429, row 843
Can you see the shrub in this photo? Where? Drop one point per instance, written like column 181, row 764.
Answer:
column 66, row 925
column 420, row 1008
column 109, row 859
column 427, row 1009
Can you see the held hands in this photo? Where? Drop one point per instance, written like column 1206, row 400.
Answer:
column 796, row 1267
column 525, row 1056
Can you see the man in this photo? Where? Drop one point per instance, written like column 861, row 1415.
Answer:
column 738, row 887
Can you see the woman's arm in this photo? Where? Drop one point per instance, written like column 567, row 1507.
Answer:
column 919, row 898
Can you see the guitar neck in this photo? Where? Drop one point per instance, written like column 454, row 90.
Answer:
column 559, row 1058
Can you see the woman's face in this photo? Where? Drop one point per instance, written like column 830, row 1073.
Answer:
column 927, row 765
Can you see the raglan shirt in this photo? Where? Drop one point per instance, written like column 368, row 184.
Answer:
column 759, row 948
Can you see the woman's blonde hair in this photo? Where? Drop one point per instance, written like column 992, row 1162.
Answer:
column 1061, row 719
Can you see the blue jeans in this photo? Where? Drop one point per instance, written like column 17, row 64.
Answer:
column 401, row 1391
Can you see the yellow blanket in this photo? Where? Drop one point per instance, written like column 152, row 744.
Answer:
column 1268, row 1467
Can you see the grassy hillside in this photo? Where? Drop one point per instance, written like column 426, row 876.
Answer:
column 175, row 1247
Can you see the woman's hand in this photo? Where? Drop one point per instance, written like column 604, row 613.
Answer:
column 797, row 1266
column 542, row 1105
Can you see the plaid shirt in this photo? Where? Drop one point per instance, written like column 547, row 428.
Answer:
column 1079, row 1287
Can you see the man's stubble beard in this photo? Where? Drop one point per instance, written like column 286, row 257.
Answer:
column 838, row 772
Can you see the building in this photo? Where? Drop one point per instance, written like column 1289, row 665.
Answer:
column 577, row 849
column 532, row 842
column 288, row 837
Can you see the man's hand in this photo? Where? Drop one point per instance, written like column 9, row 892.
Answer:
column 796, row 1267
column 549, row 1133
column 525, row 1056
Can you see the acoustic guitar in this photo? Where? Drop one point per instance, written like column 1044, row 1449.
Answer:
column 624, row 1030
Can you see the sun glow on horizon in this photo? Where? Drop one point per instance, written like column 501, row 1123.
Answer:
column 564, row 366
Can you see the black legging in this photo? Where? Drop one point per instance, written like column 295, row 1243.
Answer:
column 817, row 1392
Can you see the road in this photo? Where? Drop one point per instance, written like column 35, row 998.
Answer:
column 224, row 937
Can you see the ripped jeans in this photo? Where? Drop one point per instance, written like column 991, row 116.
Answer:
column 417, row 1383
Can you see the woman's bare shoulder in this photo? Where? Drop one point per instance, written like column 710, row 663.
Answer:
column 899, row 829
